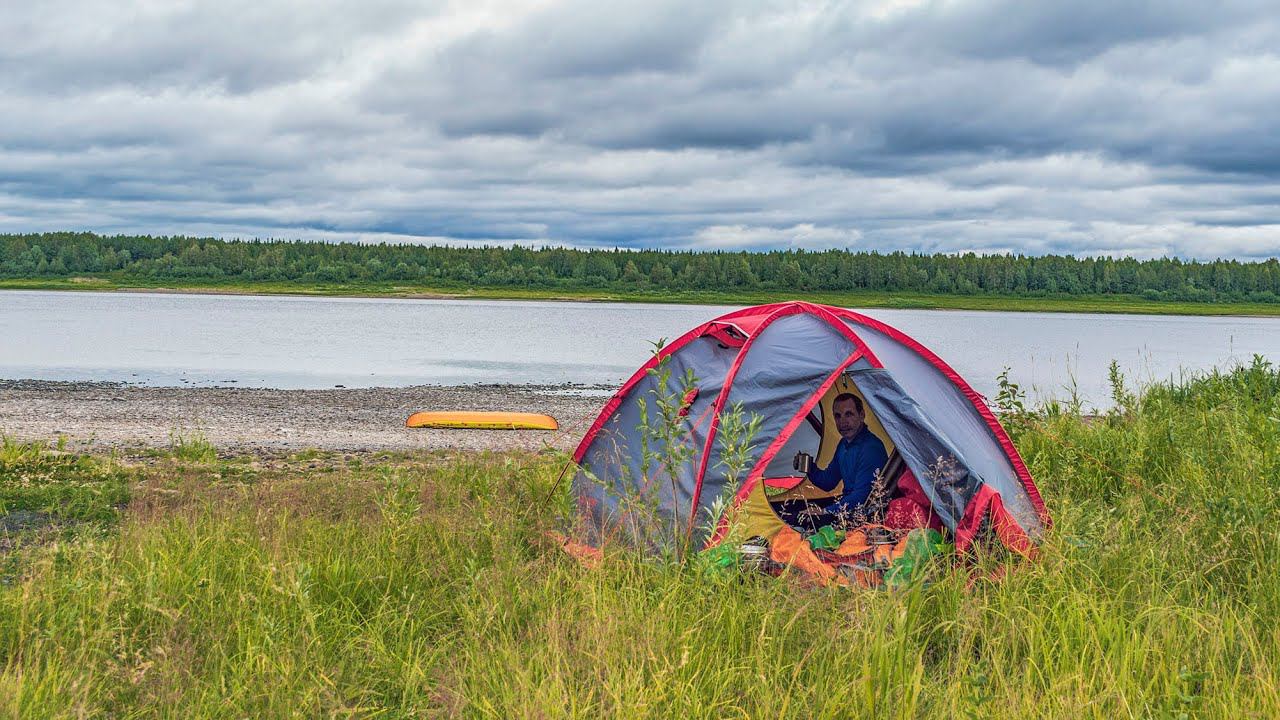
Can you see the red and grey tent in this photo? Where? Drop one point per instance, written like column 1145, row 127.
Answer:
column 783, row 363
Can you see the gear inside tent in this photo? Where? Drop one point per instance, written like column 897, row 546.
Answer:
column 665, row 461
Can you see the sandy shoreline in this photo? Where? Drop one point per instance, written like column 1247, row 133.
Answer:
column 94, row 415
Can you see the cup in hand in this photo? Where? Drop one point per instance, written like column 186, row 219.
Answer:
column 802, row 462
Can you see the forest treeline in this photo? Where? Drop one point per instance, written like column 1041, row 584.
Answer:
column 190, row 259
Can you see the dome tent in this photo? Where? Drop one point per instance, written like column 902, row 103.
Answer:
column 781, row 364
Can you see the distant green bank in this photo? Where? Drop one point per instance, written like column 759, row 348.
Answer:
column 918, row 301
column 197, row 585
column 1051, row 283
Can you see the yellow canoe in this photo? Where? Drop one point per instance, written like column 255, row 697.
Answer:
column 481, row 420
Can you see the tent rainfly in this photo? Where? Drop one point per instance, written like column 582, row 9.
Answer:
column 783, row 363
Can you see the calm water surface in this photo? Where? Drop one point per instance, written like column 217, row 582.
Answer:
column 290, row 342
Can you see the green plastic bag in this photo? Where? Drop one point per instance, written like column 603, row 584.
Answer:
column 922, row 546
column 827, row 538
column 719, row 559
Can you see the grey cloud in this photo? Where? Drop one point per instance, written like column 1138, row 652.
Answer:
column 1058, row 33
column 866, row 82
column 584, row 39
column 238, row 46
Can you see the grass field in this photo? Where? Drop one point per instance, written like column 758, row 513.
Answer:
column 920, row 301
column 324, row 585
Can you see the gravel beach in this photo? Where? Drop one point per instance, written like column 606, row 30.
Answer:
column 93, row 415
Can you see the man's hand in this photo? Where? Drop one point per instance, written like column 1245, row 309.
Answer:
column 811, row 512
column 815, row 516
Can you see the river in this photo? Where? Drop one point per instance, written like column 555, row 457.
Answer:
column 301, row 342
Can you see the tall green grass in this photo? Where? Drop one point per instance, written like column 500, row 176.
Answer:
column 423, row 586
column 193, row 447
column 37, row 478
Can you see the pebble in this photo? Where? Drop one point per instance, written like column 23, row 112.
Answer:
column 118, row 415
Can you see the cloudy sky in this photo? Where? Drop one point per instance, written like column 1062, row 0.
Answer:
column 1084, row 127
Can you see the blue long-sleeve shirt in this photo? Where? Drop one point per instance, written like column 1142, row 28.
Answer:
column 856, row 461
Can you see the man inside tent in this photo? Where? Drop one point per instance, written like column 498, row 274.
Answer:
column 859, row 456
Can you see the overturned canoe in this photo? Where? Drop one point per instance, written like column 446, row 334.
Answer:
column 481, row 420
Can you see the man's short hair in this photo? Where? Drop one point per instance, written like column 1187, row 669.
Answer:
column 857, row 401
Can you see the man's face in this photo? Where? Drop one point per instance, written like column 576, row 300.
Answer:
column 849, row 418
